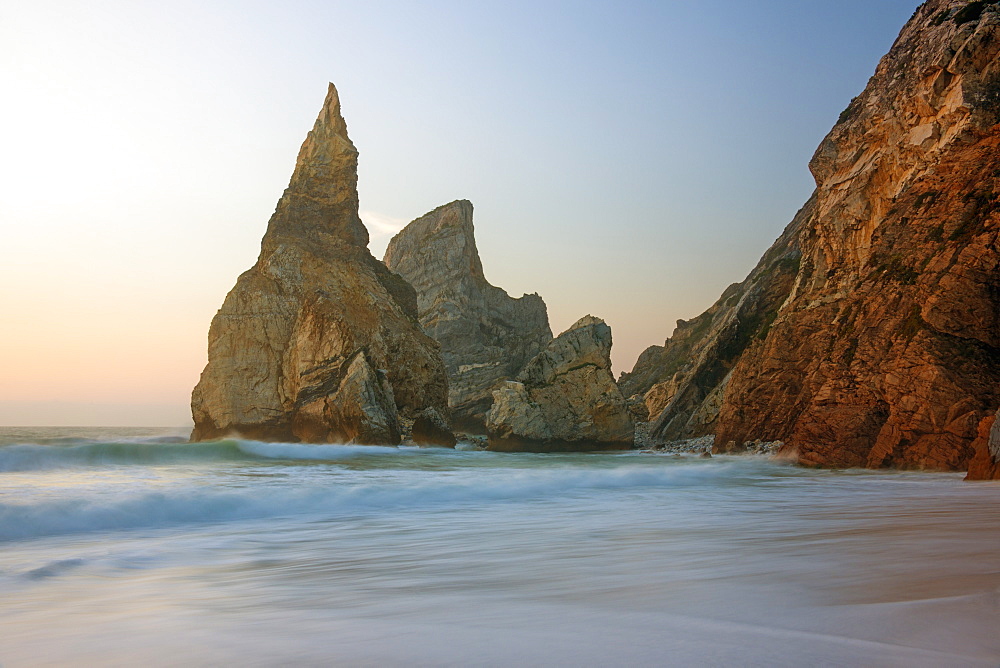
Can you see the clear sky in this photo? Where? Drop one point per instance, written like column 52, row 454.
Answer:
column 625, row 159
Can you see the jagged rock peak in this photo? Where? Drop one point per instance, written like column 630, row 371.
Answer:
column 318, row 341
column 321, row 200
column 587, row 321
column 586, row 343
column 448, row 227
column 486, row 336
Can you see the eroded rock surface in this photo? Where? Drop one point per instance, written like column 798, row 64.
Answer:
column 360, row 410
column 318, row 341
column 565, row 399
column 985, row 464
column 682, row 382
column 887, row 352
column 885, row 348
column 486, row 336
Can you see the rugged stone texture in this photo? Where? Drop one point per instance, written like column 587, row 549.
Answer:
column 486, row 336
column 294, row 352
column 361, row 409
column 565, row 399
column 682, row 382
column 985, row 464
column 869, row 335
column 887, row 350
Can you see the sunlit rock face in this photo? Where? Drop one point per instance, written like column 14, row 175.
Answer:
column 565, row 398
column 318, row 341
column 885, row 351
column 486, row 336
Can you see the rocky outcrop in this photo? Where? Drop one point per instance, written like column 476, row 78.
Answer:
column 683, row 381
column 985, row 464
column 565, row 399
column 486, row 336
column 318, row 341
column 430, row 428
column 361, row 409
column 886, row 350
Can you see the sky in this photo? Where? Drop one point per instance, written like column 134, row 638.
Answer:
column 625, row 159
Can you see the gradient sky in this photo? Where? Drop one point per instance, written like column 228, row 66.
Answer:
column 626, row 159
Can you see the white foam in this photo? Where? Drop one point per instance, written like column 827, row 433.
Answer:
column 131, row 509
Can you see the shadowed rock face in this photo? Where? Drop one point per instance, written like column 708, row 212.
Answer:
column 985, row 464
column 318, row 341
column 565, row 399
column 886, row 348
column 486, row 336
column 683, row 381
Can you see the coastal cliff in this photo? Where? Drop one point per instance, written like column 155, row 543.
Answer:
column 318, row 341
column 486, row 336
column 876, row 339
column 682, row 382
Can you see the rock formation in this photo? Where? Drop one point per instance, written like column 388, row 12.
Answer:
column 886, row 349
column 985, row 464
column 683, row 381
column 318, row 341
column 486, row 336
column 565, row 399
column 430, row 428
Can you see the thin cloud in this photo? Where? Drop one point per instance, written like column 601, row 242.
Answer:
column 381, row 225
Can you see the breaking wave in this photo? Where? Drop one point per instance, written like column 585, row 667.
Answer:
column 80, row 452
column 149, row 510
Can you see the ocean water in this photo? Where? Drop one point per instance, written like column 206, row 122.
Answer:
column 132, row 547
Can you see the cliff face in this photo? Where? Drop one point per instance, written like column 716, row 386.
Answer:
column 318, row 341
column 875, row 339
column 887, row 352
column 565, row 398
column 884, row 348
column 486, row 336
column 683, row 381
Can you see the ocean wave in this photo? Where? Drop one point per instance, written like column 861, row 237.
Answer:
column 82, row 452
column 138, row 510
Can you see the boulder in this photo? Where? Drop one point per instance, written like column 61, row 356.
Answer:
column 430, row 428
column 565, row 398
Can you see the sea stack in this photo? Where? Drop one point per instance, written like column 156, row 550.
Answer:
column 565, row 398
column 877, row 342
column 318, row 341
column 486, row 336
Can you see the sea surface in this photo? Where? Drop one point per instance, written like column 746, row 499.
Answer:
column 124, row 547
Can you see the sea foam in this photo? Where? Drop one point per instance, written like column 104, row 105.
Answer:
column 325, row 497
column 146, row 452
